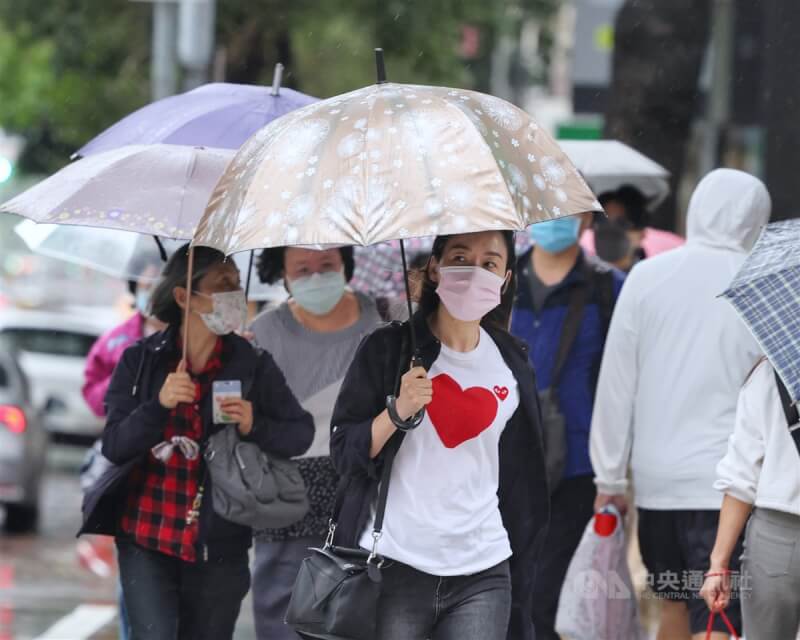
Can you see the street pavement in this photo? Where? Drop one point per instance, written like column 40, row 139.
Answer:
column 46, row 592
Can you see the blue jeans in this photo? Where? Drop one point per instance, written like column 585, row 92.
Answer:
column 418, row 606
column 169, row 599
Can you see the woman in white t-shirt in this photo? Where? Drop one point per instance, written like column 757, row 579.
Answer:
column 467, row 501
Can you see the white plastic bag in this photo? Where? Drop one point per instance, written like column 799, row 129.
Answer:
column 597, row 599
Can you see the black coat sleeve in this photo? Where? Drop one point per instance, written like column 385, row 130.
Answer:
column 133, row 426
column 361, row 399
column 280, row 425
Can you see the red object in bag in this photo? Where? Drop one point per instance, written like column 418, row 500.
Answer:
column 605, row 521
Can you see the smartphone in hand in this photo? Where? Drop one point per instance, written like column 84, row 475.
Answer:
column 223, row 390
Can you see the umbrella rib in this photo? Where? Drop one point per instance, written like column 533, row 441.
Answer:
column 471, row 127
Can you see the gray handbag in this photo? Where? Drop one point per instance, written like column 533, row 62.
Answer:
column 250, row 487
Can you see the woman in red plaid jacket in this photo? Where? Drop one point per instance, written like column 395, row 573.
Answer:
column 184, row 568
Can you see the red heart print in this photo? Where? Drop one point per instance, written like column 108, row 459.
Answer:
column 460, row 414
column 501, row 392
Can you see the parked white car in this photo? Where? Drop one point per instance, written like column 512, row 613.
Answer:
column 23, row 444
column 52, row 347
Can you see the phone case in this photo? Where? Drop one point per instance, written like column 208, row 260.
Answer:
column 220, row 390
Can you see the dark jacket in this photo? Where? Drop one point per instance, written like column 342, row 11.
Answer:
column 541, row 330
column 136, row 421
column 523, row 495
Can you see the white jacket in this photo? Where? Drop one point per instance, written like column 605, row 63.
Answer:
column 762, row 466
column 676, row 356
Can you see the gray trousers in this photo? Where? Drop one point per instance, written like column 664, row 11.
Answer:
column 771, row 576
column 274, row 573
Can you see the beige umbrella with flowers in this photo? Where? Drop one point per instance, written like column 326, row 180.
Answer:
column 388, row 162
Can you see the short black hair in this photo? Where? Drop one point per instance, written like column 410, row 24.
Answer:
column 271, row 264
column 162, row 301
column 633, row 201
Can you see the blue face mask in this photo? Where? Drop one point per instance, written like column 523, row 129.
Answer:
column 143, row 301
column 319, row 293
column 555, row 236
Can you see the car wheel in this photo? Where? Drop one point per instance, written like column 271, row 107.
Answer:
column 21, row 518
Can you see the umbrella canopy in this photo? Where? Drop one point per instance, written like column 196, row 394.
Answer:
column 766, row 294
column 608, row 164
column 159, row 190
column 388, row 162
column 121, row 254
column 218, row 115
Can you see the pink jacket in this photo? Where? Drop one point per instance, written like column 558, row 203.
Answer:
column 103, row 357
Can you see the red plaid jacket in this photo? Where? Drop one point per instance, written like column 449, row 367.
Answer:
column 160, row 494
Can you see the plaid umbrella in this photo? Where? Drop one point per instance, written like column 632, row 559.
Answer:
column 766, row 293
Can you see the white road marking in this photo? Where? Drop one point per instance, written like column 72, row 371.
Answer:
column 81, row 624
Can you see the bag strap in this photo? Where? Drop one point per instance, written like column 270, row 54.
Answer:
column 390, row 451
column 578, row 297
column 789, row 407
column 391, row 448
column 725, row 619
column 603, row 283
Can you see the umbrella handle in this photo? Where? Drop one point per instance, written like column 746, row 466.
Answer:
column 189, row 270
column 404, row 425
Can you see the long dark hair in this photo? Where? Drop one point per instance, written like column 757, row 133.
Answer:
column 162, row 301
column 497, row 318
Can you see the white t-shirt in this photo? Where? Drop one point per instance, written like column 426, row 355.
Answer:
column 442, row 514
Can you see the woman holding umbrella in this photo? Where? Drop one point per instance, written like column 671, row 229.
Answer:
column 322, row 322
column 184, row 569
column 467, row 501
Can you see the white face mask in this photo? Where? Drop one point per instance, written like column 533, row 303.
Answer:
column 229, row 313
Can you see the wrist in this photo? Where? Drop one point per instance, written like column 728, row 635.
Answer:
column 719, row 563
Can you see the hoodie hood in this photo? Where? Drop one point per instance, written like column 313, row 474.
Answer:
column 728, row 210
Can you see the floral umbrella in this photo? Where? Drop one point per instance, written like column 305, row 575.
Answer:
column 390, row 162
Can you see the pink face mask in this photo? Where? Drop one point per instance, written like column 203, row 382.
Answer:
column 469, row 293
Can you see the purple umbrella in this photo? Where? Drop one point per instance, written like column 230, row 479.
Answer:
column 218, row 115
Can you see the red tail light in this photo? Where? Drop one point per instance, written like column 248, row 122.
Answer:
column 13, row 418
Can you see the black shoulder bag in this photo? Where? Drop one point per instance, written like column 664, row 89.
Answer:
column 554, row 426
column 335, row 595
column 790, row 411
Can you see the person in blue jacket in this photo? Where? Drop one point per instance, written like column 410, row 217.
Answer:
column 551, row 275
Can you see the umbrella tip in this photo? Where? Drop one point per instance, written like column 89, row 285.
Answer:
column 276, row 79
column 380, row 66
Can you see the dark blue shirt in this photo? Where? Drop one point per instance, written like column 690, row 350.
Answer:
column 541, row 329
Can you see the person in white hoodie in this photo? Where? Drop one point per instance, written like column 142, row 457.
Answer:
column 761, row 469
column 675, row 359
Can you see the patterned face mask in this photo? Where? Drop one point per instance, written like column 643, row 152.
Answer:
column 229, row 313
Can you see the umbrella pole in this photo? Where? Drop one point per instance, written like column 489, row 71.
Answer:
column 189, row 269
column 408, row 300
column 249, row 275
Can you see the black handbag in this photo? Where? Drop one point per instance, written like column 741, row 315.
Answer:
column 335, row 595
